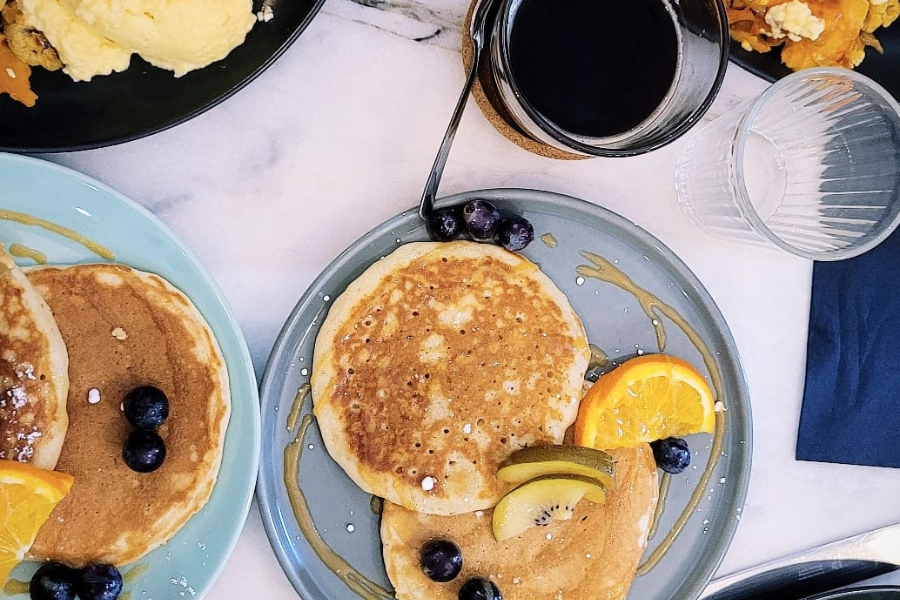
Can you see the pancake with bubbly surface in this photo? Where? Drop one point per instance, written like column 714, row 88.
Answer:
column 436, row 364
column 593, row 556
column 125, row 328
column 34, row 379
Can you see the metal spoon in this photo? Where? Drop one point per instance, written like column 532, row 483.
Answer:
column 476, row 34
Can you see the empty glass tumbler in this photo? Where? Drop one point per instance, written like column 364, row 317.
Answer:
column 811, row 166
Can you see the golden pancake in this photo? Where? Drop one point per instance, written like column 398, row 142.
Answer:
column 125, row 328
column 34, row 379
column 437, row 363
column 593, row 556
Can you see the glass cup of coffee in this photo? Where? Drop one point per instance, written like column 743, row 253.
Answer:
column 608, row 77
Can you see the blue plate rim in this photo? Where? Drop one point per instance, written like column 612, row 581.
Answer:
column 231, row 320
column 728, row 356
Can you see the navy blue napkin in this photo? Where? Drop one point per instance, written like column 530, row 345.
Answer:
column 851, row 401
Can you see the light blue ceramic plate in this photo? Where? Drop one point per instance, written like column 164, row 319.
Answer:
column 614, row 321
column 188, row 564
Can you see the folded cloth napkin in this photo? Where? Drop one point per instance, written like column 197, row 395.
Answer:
column 851, row 402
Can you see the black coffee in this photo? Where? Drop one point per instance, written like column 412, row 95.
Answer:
column 594, row 67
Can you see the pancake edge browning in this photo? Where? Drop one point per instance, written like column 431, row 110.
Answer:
column 46, row 448
column 131, row 545
column 326, row 372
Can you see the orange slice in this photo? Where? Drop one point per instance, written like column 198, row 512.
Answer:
column 29, row 494
column 648, row 398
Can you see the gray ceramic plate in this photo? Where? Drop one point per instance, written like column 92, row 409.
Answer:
column 614, row 322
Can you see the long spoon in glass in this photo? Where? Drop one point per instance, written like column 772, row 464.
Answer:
column 477, row 28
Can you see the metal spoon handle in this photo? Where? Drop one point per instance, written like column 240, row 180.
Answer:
column 437, row 169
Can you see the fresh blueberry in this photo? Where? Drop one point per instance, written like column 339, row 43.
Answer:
column 100, row 582
column 441, row 560
column 672, row 454
column 515, row 233
column 144, row 451
column 479, row 589
column 482, row 220
column 445, row 224
column 146, row 407
column 53, row 581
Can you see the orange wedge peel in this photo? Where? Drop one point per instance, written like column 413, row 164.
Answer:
column 647, row 398
column 29, row 495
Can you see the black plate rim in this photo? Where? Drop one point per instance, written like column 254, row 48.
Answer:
column 744, row 59
column 187, row 116
column 881, row 67
column 859, row 592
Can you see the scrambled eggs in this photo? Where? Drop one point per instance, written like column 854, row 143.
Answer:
column 98, row 37
column 825, row 33
column 795, row 21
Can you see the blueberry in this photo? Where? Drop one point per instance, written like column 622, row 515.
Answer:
column 100, row 582
column 482, row 220
column 441, row 560
column 672, row 454
column 53, row 581
column 479, row 589
column 144, row 451
column 146, row 407
column 515, row 233
column 445, row 224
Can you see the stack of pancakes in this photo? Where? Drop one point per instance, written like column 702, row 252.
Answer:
column 105, row 329
column 33, row 373
column 435, row 365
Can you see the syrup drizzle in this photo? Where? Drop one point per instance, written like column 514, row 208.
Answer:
column 603, row 270
column 599, row 269
column 21, row 251
column 336, row 563
column 26, row 219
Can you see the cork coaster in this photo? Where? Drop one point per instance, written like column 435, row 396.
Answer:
column 488, row 99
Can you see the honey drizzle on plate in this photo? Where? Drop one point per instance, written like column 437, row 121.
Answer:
column 26, row 219
column 25, row 252
column 693, row 502
column 292, row 417
column 664, row 483
column 599, row 358
column 15, row 587
column 293, row 452
column 603, row 270
column 135, row 572
column 549, row 240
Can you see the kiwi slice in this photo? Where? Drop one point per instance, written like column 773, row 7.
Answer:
column 536, row 461
column 542, row 500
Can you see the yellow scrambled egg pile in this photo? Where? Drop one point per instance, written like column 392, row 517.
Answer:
column 812, row 33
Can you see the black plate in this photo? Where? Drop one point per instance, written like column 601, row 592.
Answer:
column 876, row 592
column 883, row 68
column 143, row 99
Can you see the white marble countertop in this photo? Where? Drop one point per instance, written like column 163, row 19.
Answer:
column 339, row 134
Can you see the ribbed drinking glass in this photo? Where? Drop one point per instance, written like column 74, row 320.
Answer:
column 811, row 166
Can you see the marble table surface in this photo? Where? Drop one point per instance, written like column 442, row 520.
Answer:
column 339, row 134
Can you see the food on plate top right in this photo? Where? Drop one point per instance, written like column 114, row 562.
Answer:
column 811, row 33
